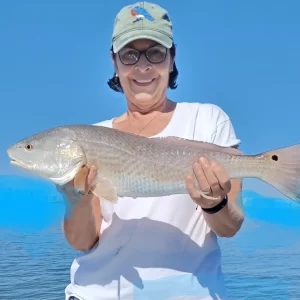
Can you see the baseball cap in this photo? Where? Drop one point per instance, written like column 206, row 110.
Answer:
column 142, row 20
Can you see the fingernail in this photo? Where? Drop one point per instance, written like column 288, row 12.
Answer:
column 203, row 160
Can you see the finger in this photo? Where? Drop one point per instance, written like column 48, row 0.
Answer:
column 201, row 178
column 191, row 188
column 222, row 176
column 79, row 180
column 211, row 178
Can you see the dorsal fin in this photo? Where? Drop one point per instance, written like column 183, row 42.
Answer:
column 193, row 144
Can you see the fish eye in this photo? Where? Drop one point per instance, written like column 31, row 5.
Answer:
column 28, row 147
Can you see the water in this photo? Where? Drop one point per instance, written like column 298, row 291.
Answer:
column 255, row 272
column 261, row 262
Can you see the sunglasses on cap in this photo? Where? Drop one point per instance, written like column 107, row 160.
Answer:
column 155, row 55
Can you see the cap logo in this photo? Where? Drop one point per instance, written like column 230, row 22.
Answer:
column 141, row 13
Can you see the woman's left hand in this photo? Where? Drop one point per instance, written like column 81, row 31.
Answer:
column 212, row 179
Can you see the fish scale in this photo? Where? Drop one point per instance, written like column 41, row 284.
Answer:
column 115, row 162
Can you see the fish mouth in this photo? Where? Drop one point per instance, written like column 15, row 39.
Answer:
column 18, row 163
column 15, row 160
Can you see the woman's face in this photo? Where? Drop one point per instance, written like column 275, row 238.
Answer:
column 144, row 82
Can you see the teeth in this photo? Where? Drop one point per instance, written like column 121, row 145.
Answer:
column 144, row 81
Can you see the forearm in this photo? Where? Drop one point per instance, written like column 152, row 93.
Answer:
column 82, row 222
column 228, row 221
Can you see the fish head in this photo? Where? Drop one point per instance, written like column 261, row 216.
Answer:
column 53, row 154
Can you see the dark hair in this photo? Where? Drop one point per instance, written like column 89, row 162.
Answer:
column 115, row 84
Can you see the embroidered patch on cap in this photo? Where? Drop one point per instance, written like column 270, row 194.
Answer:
column 141, row 13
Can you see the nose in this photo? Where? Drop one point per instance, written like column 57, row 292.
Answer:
column 143, row 64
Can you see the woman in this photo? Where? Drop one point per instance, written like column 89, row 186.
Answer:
column 154, row 248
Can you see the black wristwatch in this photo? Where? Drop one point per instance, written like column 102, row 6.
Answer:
column 218, row 207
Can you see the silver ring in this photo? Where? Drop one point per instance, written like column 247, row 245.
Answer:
column 207, row 191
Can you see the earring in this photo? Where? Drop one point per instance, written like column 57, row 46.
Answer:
column 116, row 84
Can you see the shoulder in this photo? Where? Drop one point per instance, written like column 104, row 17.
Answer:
column 211, row 111
column 214, row 123
column 223, row 131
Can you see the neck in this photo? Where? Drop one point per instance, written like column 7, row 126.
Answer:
column 139, row 113
column 146, row 122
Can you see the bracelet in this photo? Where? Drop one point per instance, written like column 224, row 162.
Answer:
column 216, row 208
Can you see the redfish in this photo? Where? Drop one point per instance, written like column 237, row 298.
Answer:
column 135, row 166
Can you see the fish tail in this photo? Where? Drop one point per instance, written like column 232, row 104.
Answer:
column 283, row 172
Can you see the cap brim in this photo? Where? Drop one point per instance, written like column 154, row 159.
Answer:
column 133, row 35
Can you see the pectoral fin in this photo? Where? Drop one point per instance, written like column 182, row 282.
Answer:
column 104, row 190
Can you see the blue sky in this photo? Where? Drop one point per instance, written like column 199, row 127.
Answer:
column 240, row 55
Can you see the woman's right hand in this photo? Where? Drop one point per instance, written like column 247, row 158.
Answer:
column 83, row 215
column 82, row 182
column 84, row 179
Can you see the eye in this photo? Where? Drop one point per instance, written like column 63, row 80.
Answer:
column 28, row 147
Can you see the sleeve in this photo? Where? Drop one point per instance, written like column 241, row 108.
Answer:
column 224, row 133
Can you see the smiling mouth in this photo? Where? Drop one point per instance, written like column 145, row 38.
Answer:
column 143, row 82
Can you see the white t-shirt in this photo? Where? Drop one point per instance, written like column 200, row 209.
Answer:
column 158, row 248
